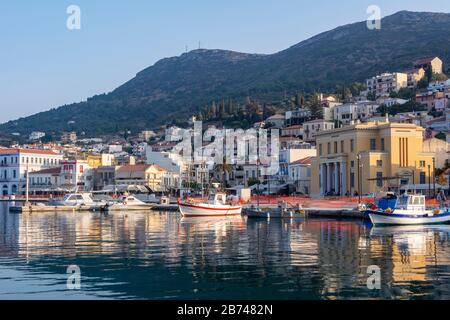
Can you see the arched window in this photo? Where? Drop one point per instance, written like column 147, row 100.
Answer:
column 5, row 190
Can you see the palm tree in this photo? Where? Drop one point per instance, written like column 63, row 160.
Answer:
column 222, row 168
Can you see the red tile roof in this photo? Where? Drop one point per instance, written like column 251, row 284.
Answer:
column 138, row 167
column 424, row 61
column 304, row 161
column 29, row 151
column 298, row 126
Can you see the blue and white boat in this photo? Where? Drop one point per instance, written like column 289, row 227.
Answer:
column 409, row 210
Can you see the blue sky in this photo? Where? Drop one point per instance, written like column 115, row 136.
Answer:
column 44, row 65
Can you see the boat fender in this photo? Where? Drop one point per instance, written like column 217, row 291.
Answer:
column 388, row 210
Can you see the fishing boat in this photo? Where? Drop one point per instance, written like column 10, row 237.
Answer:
column 217, row 205
column 409, row 210
column 128, row 203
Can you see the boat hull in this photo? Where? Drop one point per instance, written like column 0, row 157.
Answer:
column 380, row 218
column 129, row 207
column 202, row 210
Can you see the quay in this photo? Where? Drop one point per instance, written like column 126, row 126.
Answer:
column 50, row 209
column 310, row 212
column 334, row 213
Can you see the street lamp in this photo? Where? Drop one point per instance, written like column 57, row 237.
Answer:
column 434, row 177
column 358, row 157
column 429, row 181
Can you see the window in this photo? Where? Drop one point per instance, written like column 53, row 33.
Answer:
column 320, row 149
column 379, row 163
column 382, row 144
column 342, row 146
column 352, row 179
column 352, row 164
column 352, row 145
column 379, row 179
column 335, row 147
column 328, row 148
column 422, row 164
column 423, row 178
column 373, row 144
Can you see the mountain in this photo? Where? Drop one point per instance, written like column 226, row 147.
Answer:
column 177, row 87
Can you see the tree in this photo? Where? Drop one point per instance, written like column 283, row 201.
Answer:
column 230, row 107
column 403, row 93
column 315, row 107
column 438, row 77
column 423, row 84
column 410, row 106
column 371, row 96
column 213, row 110
column 252, row 182
column 442, row 136
column 222, row 168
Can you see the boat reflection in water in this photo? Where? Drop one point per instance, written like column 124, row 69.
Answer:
column 417, row 253
column 159, row 255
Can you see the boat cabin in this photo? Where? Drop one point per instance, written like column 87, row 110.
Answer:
column 130, row 200
column 411, row 203
column 77, row 198
column 218, row 198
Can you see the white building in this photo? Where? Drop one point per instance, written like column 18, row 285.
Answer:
column 299, row 173
column 45, row 180
column 385, row 83
column 298, row 116
column 312, row 127
column 291, row 155
column 15, row 162
column 76, row 174
column 389, row 102
column 439, row 85
column 36, row 135
column 276, row 120
column 349, row 112
column 115, row 148
column 174, row 134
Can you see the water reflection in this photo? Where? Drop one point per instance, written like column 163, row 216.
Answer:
column 162, row 256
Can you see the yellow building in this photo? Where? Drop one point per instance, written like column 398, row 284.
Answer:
column 388, row 155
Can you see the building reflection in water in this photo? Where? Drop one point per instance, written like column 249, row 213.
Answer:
column 254, row 258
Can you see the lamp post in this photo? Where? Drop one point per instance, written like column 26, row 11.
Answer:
column 429, row 181
column 358, row 157
column 434, row 177
column 27, row 186
column 257, row 178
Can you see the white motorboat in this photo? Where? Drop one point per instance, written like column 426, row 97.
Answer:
column 409, row 210
column 128, row 203
column 78, row 201
column 216, row 205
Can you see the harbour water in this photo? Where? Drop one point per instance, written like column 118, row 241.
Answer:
column 162, row 256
